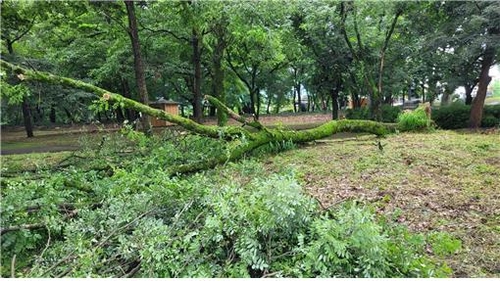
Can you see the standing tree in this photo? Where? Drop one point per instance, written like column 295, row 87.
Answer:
column 377, row 36
column 18, row 18
column 138, row 63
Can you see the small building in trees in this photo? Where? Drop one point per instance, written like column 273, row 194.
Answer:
column 168, row 106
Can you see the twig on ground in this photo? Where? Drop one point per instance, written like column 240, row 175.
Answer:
column 13, row 267
column 21, row 227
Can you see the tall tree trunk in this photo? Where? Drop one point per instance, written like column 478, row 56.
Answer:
column 299, row 98
column 476, row 112
column 119, row 115
column 197, row 106
column 257, row 113
column 131, row 114
column 253, row 98
column 268, row 107
column 138, row 64
column 220, row 30
column 356, row 101
column 28, row 122
column 25, row 108
column 52, row 115
column 335, row 104
column 218, row 84
column 376, row 100
column 294, row 101
column 468, row 91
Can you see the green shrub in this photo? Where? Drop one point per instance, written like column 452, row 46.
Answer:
column 489, row 121
column 493, row 110
column 390, row 113
column 456, row 116
column 350, row 245
column 443, row 243
column 362, row 113
column 413, row 120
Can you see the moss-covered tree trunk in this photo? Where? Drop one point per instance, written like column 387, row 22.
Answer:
column 255, row 137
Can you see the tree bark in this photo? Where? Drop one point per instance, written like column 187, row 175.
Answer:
column 294, row 101
column 469, row 87
column 52, row 115
column 25, row 108
column 220, row 30
column 28, row 122
column 335, row 104
column 197, row 107
column 138, row 63
column 131, row 115
column 476, row 112
column 384, row 49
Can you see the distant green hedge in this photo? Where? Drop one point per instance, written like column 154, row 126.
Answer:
column 389, row 113
column 456, row 116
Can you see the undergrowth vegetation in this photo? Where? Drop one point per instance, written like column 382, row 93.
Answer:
column 114, row 210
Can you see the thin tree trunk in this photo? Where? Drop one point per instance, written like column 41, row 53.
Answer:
column 138, row 64
column 218, row 77
column 197, row 106
column 268, row 107
column 25, row 108
column 294, row 101
column 335, row 104
column 476, row 112
column 299, row 98
column 257, row 113
column 131, row 114
column 52, row 115
column 28, row 122
column 468, row 91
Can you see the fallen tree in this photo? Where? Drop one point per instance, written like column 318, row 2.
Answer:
column 241, row 139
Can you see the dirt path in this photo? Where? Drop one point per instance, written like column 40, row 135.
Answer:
column 66, row 138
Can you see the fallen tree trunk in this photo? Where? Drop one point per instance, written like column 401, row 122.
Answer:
column 258, row 136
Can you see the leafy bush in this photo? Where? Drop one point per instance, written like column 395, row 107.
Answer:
column 444, row 244
column 456, row 116
column 389, row 113
column 203, row 225
column 493, row 110
column 362, row 113
column 489, row 121
column 413, row 120
column 350, row 245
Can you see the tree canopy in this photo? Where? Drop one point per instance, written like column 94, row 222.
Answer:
column 255, row 57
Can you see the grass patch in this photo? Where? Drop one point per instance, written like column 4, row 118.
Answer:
column 492, row 100
column 440, row 181
column 33, row 161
